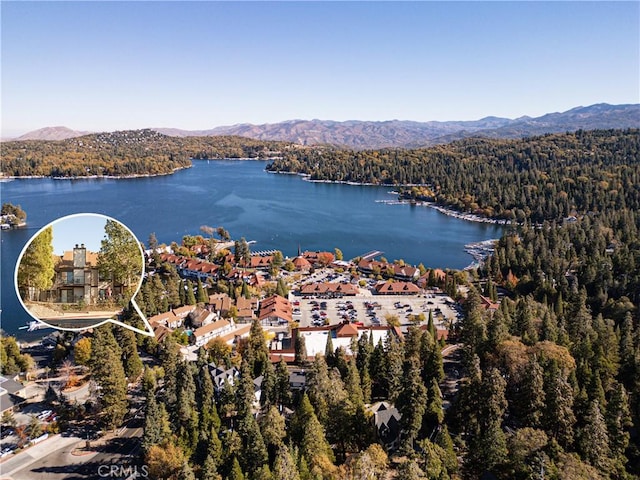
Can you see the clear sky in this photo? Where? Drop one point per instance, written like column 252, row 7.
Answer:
column 78, row 229
column 195, row 65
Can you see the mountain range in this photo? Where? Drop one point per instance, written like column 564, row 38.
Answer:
column 400, row 133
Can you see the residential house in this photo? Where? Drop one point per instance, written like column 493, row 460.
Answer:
column 302, row 264
column 297, row 380
column 198, row 269
column 256, row 280
column 220, row 375
column 386, row 419
column 488, row 304
column 77, row 279
column 232, row 337
column 161, row 332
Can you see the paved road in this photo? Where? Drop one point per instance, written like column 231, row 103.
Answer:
column 56, row 447
column 61, row 458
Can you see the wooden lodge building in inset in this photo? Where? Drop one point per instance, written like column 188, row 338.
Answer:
column 77, row 279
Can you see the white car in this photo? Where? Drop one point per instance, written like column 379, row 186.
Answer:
column 44, row 414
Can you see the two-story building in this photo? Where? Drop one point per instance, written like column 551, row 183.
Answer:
column 77, row 279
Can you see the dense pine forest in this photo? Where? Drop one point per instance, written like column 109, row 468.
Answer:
column 126, row 153
column 546, row 177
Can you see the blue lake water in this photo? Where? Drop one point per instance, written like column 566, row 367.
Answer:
column 277, row 211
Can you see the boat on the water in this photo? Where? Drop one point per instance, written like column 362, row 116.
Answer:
column 33, row 325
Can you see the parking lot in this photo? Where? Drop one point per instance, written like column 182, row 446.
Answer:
column 9, row 440
column 373, row 310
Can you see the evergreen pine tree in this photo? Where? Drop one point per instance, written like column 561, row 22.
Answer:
column 618, row 419
column 236, row 472
column 487, row 445
column 186, row 413
column 593, row 439
column 186, row 473
column 558, row 418
column 156, row 424
column 245, row 391
column 108, row 372
column 352, row 384
column 329, row 350
column 258, row 348
column 272, row 427
column 283, row 392
column 254, row 452
column 268, row 395
column 312, row 440
column 126, row 338
column 411, row 404
column 531, row 398
column 392, row 368
column 284, row 467
column 300, row 349
column 182, row 292
column 201, row 294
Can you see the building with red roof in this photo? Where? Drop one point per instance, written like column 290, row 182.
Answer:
column 397, row 288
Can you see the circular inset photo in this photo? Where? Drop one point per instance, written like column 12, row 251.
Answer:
column 79, row 271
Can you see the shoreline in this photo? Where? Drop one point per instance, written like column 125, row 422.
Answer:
column 93, row 177
column 307, row 178
column 470, row 217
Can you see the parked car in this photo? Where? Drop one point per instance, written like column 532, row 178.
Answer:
column 5, row 452
column 44, row 414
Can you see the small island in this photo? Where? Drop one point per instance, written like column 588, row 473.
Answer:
column 12, row 216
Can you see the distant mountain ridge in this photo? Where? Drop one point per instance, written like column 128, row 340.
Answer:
column 52, row 133
column 401, row 133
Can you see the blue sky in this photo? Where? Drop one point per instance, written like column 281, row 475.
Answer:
column 78, row 229
column 196, row 65
column 87, row 228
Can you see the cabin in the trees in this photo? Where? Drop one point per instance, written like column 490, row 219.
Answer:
column 386, row 419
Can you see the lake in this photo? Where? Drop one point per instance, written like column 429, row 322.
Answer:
column 276, row 211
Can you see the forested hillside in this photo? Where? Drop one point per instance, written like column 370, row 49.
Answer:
column 139, row 152
column 538, row 178
column 552, row 378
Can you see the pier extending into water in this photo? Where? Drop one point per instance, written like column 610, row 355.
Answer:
column 371, row 255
